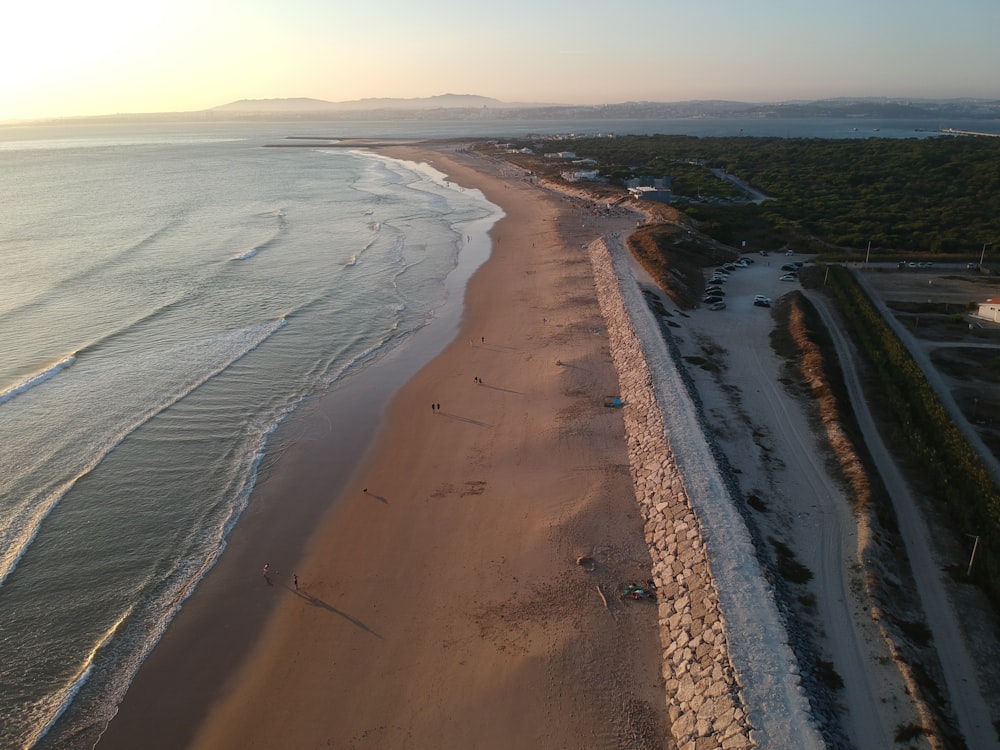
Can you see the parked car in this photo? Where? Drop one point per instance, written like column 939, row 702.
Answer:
column 718, row 306
column 762, row 297
column 765, row 302
column 789, row 277
column 789, row 267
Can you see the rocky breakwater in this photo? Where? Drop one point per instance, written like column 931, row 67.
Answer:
column 730, row 675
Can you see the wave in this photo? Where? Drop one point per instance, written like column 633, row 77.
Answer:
column 270, row 242
column 36, row 379
column 21, row 528
column 376, row 227
column 96, row 271
column 248, row 254
column 131, row 326
column 147, row 625
column 56, row 705
column 254, row 250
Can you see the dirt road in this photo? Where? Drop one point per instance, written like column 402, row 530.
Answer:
column 959, row 668
column 767, row 436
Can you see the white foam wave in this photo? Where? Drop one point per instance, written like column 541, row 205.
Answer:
column 150, row 623
column 36, row 379
column 255, row 249
column 56, row 704
column 243, row 256
column 19, row 529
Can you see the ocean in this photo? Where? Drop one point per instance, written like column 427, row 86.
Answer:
column 170, row 295
column 168, row 299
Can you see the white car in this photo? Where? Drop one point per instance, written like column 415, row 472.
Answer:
column 789, row 277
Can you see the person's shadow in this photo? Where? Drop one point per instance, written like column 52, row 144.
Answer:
column 316, row 602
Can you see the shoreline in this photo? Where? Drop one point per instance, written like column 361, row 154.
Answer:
column 364, row 536
column 306, row 458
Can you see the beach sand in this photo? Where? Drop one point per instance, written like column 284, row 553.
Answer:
column 440, row 602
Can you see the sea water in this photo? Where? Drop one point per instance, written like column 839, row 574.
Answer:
column 168, row 295
column 167, row 299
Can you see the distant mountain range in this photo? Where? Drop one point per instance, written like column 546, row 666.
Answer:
column 459, row 107
column 444, row 101
column 469, row 106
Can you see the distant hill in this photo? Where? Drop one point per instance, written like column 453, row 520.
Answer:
column 466, row 106
column 299, row 105
column 459, row 107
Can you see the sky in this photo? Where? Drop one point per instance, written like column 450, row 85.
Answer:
column 66, row 58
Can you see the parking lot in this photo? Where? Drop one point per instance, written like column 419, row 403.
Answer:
column 742, row 287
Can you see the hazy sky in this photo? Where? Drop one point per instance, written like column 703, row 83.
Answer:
column 81, row 57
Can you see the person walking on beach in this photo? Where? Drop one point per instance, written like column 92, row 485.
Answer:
column 295, row 581
column 267, row 569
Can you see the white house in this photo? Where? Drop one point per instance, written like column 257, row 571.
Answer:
column 648, row 193
column 583, row 175
column 990, row 309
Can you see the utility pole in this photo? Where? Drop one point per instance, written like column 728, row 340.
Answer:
column 973, row 557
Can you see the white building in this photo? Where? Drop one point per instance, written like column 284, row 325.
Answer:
column 990, row 310
column 583, row 175
column 648, row 193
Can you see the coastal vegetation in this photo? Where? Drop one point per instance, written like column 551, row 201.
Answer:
column 929, row 195
column 927, row 435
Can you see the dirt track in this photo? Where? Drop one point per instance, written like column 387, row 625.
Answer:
column 764, row 428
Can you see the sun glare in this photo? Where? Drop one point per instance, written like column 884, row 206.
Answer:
column 72, row 45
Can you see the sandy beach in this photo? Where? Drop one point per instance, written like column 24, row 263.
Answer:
column 440, row 602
